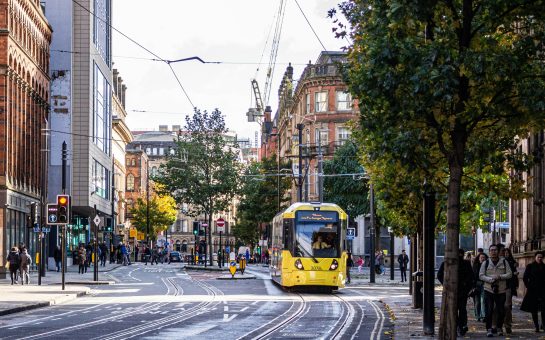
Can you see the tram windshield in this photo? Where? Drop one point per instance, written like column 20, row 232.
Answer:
column 317, row 239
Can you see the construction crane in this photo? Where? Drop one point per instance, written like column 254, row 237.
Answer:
column 255, row 114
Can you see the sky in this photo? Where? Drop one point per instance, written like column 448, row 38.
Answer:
column 237, row 33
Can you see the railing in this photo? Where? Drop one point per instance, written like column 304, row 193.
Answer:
column 521, row 247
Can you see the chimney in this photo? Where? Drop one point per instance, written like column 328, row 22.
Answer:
column 123, row 90
column 176, row 128
column 163, row 128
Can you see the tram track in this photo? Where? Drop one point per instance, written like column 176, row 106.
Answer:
column 197, row 310
column 379, row 322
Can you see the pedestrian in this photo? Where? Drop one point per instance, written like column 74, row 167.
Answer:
column 13, row 263
column 360, row 264
column 147, row 254
column 57, row 256
column 478, row 292
column 24, row 266
column 125, row 253
column 403, row 260
column 534, row 300
column 495, row 273
column 88, row 257
column 155, row 256
column 103, row 254
column 512, row 286
column 82, row 259
column 349, row 265
column 465, row 285
column 136, row 251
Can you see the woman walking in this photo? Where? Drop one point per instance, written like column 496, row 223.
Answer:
column 534, row 280
column 478, row 296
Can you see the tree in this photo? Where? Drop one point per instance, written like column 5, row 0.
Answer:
column 348, row 192
column 262, row 196
column 162, row 213
column 203, row 170
column 447, row 86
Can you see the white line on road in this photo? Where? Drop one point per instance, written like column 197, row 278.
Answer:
column 227, row 318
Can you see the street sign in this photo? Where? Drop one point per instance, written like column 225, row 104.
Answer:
column 96, row 220
column 37, row 229
column 46, row 229
column 350, row 233
column 220, row 222
column 51, row 214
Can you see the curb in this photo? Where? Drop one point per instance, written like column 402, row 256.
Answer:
column 39, row 305
column 212, row 269
column 229, row 277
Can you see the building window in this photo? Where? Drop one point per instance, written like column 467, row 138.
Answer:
column 343, row 134
column 101, row 179
column 307, row 102
column 154, row 171
column 344, row 101
column 148, row 151
column 321, row 136
column 155, row 151
column 101, row 32
column 320, row 102
column 130, row 182
column 102, row 120
column 161, row 151
column 133, row 162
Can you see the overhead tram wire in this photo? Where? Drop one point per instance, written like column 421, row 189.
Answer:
column 309, row 24
column 168, row 62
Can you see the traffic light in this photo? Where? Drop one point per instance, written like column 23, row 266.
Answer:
column 195, row 227
column 258, row 250
column 33, row 214
column 63, row 209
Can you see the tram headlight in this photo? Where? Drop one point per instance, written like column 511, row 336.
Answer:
column 334, row 265
column 299, row 264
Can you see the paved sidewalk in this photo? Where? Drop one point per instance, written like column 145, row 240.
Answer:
column 17, row 298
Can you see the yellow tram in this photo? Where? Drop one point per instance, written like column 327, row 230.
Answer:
column 307, row 246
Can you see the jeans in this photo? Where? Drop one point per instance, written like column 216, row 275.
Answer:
column 13, row 271
column 478, row 301
column 58, row 265
column 494, row 303
column 403, row 274
column 25, row 274
column 508, row 319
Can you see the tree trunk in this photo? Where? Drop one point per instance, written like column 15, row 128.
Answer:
column 447, row 324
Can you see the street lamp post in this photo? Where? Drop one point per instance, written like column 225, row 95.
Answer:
column 372, row 235
column 147, row 204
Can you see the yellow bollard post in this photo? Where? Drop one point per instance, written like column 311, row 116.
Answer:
column 37, row 258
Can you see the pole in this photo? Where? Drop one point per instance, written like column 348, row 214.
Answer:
column 147, row 204
column 300, row 174
column 278, row 170
column 220, row 253
column 113, row 205
column 412, row 262
column 205, row 242
column 372, row 235
column 392, row 267
column 95, row 270
column 320, row 170
column 429, row 262
column 43, row 196
column 494, row 233
column 63, row 227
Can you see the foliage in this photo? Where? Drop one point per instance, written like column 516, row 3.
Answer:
column 348, row 192
column 259, row 198
column 203, row 171
column 446, row 87
column 162, row 214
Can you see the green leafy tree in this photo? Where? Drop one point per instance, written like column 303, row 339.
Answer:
column 447, row 86
column 348, row 192
column 162, row 214
column 203, row 170
column 262, row 196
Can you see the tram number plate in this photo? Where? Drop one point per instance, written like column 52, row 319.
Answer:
column 315, row 268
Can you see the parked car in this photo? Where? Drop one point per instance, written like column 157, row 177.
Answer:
column 175, row 256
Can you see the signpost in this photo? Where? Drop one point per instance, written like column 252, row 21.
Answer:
column 350, row 233
column 96, row 220
column 220, row 223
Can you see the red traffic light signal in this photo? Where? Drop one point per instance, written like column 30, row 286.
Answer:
column 63, row 209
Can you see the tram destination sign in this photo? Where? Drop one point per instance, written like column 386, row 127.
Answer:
column 317, row 216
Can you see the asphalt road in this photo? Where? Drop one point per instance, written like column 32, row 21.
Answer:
column 168, row 302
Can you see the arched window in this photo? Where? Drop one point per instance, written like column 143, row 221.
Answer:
column 154, row 171
column 130, row 182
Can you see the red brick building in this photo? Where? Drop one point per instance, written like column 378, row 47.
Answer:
column 321, row 103
column 25, row 37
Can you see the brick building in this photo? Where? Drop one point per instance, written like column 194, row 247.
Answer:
column 320, row 102
column 25, row 38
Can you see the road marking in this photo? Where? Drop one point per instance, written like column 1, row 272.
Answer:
column 225, row 308
column 227, row 318
column 243, row 309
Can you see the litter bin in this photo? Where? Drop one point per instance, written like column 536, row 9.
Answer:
column 418, row 285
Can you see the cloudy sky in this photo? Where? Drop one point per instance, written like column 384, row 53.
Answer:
column 231, row 32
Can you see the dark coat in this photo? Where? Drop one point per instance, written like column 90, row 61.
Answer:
column 534, row 280
column 403, row 260
column 466, row 279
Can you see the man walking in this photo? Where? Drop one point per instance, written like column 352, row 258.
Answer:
column 13, row 261
column 25, row 261
column 495, row 273
column 403, row 260
column 465, row 283
column 57, row 255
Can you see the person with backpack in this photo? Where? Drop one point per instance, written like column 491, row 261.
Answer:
column 495, row 273
column 534, row 300
column 466, row 283
column 13, row 261
column 24, row 266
